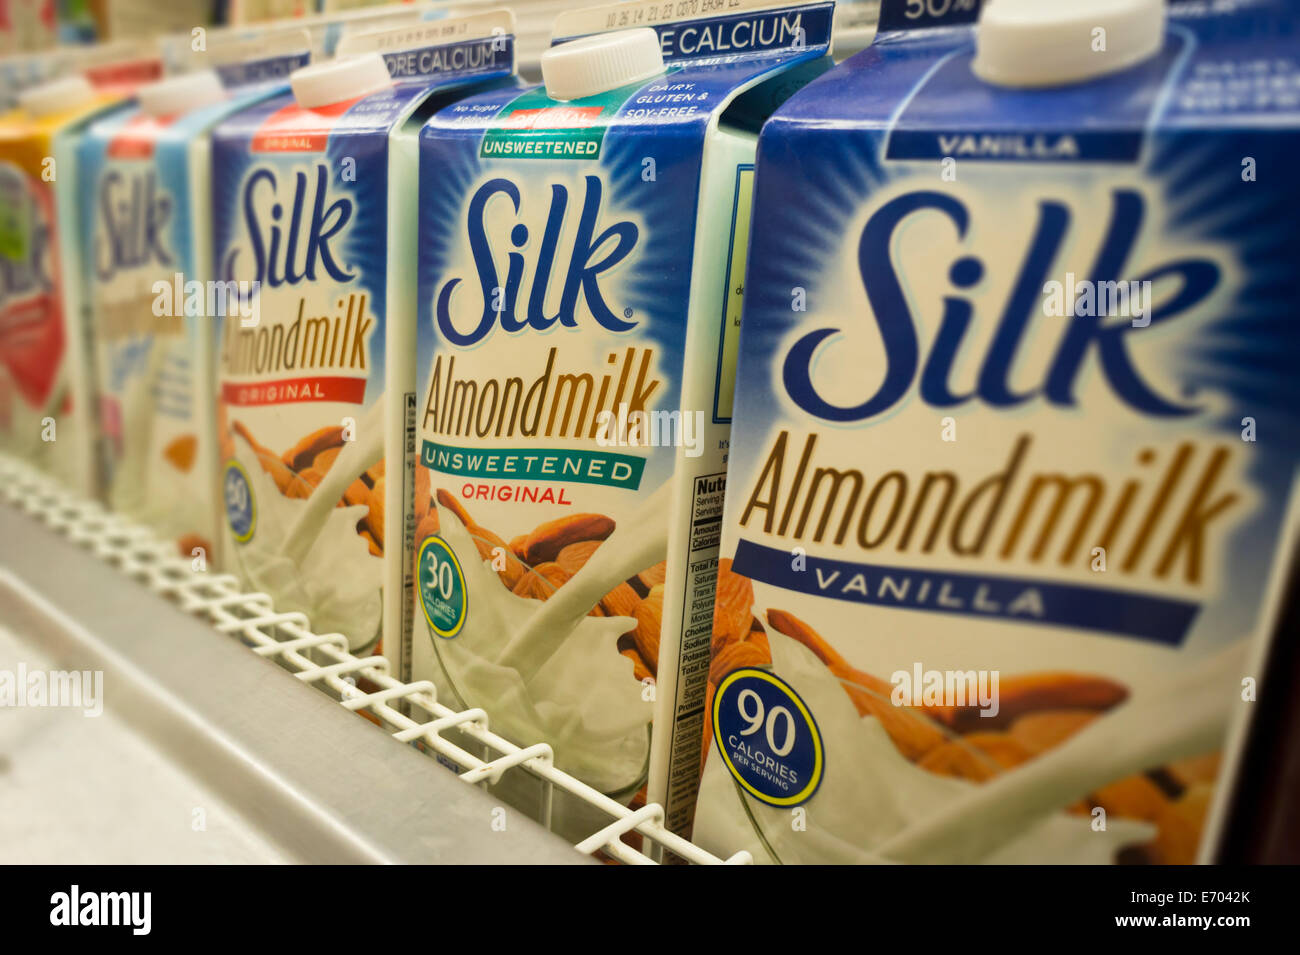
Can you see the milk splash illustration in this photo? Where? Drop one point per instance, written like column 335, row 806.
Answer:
column 550, row 669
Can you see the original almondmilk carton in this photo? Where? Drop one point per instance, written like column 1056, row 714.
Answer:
column 314, row 218
column 1010, row 502
column 582, row 246
column 46, row 378
column 145, row 174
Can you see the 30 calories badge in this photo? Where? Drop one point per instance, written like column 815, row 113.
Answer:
column 442, row 587
column 767, row 737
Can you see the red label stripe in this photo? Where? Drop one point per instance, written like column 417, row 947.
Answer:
column 291, row 390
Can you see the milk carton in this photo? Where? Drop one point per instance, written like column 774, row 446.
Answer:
column 1011, row 502
column 582, row 245
column 46, row 380
column 145, row 175
column 313, row 216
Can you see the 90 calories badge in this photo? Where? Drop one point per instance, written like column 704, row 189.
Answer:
column 767, row 737
column 442, row 587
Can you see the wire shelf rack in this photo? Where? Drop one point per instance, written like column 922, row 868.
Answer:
column 363, row 685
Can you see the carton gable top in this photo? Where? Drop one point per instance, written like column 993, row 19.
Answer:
column 1214, row 69
column 422, row 59
column 709, row 61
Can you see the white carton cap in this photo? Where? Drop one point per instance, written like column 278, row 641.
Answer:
column 56, row 96
column 179, row 94
column 1027, row 43
column 323, row 84
column 606, row 61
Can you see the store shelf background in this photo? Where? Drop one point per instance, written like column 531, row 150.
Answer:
column 462, row 740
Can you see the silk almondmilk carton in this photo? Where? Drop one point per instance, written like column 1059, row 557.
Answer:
column 314, row 213
column 145, row 176
column 582, row 246
column 1010, row 503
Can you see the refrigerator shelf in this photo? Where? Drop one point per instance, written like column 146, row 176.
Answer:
column 410, row 712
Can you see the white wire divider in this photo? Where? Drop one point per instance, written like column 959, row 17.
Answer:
column 323, row 661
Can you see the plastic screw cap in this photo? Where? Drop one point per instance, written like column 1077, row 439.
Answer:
column 1028, row 43
column 56, row 96
column 596, row 64
column 323, row 84
column 179, row 94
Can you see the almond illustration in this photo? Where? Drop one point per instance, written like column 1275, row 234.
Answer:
column 241, row 429
column 1197, row 769
column 733, row 606
column 303, row 483
column 1179, row 827
column 517, row 545
column 269, row 460
column 180, row 452
column 453, row 504
column 910, row 730
column 493, row 548
column 639, row 668
column 622, row 601
column 1134, row 797
column 358, row 493
column 575, row 555
column 733, row 657
column 188, row 543
column 548, row 539
column 976, row 757
column 654, row 575
column 710, row 690
column 796, row 629
column 323, row 460
column 225, row 443
column 1023, row 693
column 304, row 452
column 422, row 502
column 649, row 614
column 376, row 517
column 1041, row 731
column 541, row 581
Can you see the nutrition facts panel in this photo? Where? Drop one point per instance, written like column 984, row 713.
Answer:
column 408, row 538
column 697, row 635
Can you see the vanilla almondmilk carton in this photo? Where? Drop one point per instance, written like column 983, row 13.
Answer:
column 582, row 246
column 46, row 378
column 145, row 176
column 1010, row 504
column 314, row 220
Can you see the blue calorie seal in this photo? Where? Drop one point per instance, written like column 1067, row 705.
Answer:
column 767, row 737
column 241, row 509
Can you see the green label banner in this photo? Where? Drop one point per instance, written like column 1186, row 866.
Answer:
column 607, row 468
column 534, row 126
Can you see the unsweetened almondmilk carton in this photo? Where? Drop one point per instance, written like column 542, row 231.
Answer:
column 1011, row 498
column 582, row 246
column 314, row 213
column 145, row 175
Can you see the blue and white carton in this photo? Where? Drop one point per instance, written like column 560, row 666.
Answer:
column 1013, row 464
column 582, row 246
column 314, row 220
column 154, row 307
